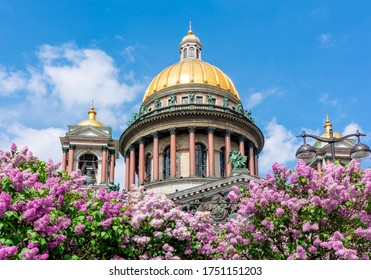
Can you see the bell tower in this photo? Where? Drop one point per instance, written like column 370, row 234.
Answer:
column 89, row 146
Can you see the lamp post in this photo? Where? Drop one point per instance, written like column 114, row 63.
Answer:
column 307, row 151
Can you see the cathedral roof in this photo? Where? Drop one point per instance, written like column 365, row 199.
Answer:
column 190, row 70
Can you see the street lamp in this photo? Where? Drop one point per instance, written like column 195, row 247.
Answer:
column 306, row 151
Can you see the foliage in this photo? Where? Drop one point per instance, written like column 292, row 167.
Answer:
column 45, row 214
column 292, row 214
column 300, row 214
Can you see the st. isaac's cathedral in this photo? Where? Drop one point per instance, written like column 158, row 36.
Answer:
column 190, row 119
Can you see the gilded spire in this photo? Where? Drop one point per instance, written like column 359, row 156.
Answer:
column 92, row 112
column 328, row 125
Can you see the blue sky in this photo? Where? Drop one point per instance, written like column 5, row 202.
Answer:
column 291, row 61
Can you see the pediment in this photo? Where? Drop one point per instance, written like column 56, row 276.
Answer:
column 88, row 132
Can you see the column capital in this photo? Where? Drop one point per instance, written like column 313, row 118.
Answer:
column 155, row 135
column 251, row 145
column 241, row 138
column 141, row 140
column 211, row 130
column 191, row 129
column 104, row 148
column 132, row 148
column 227, row 132
column 65, row 149
column 72, row 147
column 172, row 131
column 112, row 151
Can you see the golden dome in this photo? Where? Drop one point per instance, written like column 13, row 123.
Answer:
column 91, row 120
column 191, row 71
column 328, row 126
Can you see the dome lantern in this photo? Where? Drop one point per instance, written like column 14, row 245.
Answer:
column 190, row 46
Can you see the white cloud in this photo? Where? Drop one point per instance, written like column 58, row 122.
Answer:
column 37, row 83
column 80, row 75
column 44, row 143
column 257, row 97
column 280, row 146
column 326, row 40
column 60, row 88
column 11, row 82
column 352, row 128
column 327, row 100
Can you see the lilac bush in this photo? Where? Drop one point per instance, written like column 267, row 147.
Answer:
column 292, row 214
column 301, row 214
column 46, row 214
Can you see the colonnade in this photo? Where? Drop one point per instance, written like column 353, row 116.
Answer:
column 106, row 153
column 130, row 156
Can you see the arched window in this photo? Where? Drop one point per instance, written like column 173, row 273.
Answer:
column 167, row 163
column 191, row 52
column 222, row 162
column 197, row 54
column 88, row 164
column 200, row 160
column 185, row 53
column 148, row 168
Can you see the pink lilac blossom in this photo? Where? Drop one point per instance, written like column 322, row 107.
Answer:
column 7, row 252
column 79, row 229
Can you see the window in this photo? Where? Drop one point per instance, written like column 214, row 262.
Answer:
column 199, row 99
column 148, row 168
column 88, row 164
column 191, row 52
column 222, row 162
column 185, row 53
column 197, row 53
column 167, row 163
column 200, row 160
column 185, row 100
column 213, row 101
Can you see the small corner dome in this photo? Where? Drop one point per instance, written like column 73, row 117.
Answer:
column 91, row 119
column 328, row 127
